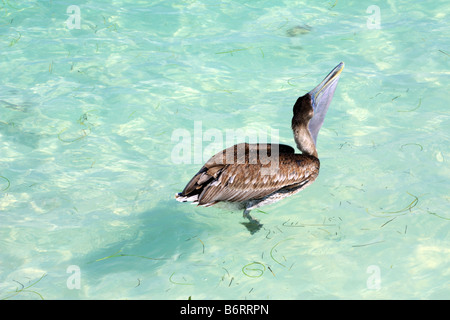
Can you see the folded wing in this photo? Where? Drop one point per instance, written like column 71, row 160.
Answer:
column 236, row 176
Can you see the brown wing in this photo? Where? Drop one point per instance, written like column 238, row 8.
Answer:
column 242, row 182
column 238, row 154
column 241, row 177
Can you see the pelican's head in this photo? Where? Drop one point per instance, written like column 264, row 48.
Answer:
column 310, row 109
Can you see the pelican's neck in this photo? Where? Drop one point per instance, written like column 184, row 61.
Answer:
column 304, row 141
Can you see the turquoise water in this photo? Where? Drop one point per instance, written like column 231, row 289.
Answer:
column 92, row 105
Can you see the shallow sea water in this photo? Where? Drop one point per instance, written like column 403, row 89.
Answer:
column 90, row 116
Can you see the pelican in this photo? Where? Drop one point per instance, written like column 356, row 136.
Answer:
column 241, row 175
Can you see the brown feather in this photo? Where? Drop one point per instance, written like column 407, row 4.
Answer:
column 236, row 175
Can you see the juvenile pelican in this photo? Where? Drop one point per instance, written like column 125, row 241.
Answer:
column 241, row 174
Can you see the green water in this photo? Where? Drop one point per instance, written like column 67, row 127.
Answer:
column 91, row 102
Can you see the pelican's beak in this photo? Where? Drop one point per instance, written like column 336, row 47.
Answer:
column 321, row 97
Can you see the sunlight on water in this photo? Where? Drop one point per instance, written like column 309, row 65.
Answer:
column 93, row 97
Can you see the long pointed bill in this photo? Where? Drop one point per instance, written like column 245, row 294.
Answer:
column 321, row 97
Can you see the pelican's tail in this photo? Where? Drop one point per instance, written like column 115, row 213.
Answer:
column 181, row 198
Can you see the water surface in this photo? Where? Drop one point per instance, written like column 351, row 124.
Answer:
column 88, row 175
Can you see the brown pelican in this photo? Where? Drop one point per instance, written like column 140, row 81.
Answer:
column 241, row 174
